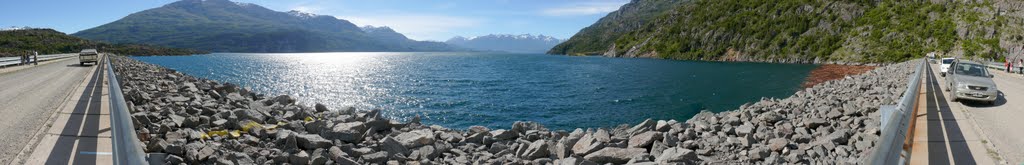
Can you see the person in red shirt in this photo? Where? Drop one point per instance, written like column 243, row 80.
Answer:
column 1007, row 65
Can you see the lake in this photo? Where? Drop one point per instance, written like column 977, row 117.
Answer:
column 459, row 90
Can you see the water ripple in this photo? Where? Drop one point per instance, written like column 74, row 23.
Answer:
column 492, row 89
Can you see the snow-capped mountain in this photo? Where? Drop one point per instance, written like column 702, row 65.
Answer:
column 521, row 43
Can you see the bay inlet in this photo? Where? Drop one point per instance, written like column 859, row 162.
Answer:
column 458, row 90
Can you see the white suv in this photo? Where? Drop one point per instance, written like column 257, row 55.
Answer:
column 945, row 66
column 87, row 56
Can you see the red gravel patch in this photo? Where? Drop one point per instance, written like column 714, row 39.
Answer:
column 828, row 72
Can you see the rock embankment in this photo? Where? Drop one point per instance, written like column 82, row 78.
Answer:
column 201, row 121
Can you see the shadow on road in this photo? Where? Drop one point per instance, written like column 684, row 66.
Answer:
column 79, row 65
column 79, row 134
column 1000, row 100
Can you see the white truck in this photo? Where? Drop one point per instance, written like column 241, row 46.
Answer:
column 87, row 56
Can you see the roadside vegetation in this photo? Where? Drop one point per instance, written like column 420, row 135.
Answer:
column 49, row 41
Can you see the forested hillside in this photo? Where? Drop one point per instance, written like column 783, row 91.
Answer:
column 806, row 31
column 596, row 38
column 49, row 41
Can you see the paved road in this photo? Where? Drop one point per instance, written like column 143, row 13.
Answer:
column 943, row 134
column 969, row 132
column 1003, row 123
column 29, row 96
column 80, row 132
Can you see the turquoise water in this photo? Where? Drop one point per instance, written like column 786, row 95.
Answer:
column 491, row 89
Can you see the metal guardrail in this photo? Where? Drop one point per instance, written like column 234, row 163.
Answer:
column 127, row 149
column 895, row 123
column 5, row 61
column 1002, row 67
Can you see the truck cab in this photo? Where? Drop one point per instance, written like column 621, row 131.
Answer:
column 87, row 56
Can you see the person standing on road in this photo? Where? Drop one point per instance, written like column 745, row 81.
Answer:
column 1007, row 64
column 35, row 58
column 1020, row 66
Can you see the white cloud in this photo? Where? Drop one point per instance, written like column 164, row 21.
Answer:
column 417, row 26
column 584, row 8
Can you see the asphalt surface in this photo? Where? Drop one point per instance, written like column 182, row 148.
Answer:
column 944, row 134
column 80, row 133
column 1003, row 123
column 29, row 96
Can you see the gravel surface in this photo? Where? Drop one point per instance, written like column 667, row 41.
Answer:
column 204, row 122
column 29, row 97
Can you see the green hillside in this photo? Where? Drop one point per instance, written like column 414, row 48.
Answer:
column 596, row 38
column 49, row 41
column 808, row 31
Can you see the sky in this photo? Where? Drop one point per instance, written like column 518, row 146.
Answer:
column 435, row 20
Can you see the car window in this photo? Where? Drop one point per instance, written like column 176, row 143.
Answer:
column 947, row 61
column 971, row 70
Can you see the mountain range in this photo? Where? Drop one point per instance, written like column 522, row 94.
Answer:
column 523, row 43
column 22, row 41
column 796, row 31
column 226, row 26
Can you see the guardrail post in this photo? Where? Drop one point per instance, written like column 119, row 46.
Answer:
column 886, row 112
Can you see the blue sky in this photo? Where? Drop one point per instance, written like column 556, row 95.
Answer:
column 418, row 19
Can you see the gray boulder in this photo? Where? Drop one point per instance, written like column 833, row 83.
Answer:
column 586, row 145
column 348, row 132
column 615, row 155
column 644, row 139
column 393, row 147
column 478, row 129
column 417, row 138
column 502, row 134
column 677, row 155
column 312, row 141
column 744, row 129
column 777, row 144
column 537, row 149
column 299, row 158
column 574, row 160
column 376, row 157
